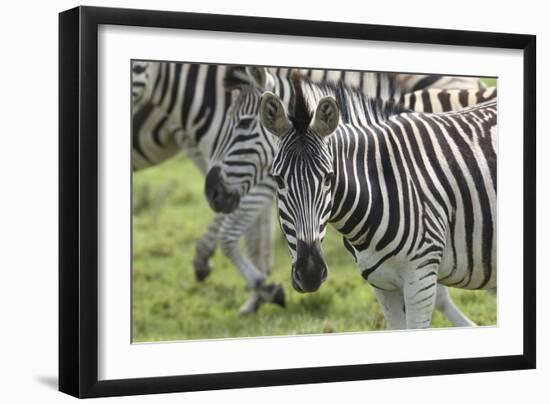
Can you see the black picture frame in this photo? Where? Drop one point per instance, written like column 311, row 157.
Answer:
column 78, row 201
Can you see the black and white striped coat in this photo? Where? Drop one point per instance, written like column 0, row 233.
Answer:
column 244, row 151
column 445, row 100
column 181, row 107
column 413, row 194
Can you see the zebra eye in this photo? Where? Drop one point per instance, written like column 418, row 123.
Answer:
column 279, row 181
column 328, row 179
column 138, row 69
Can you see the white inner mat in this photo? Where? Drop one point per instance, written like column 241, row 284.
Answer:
column 118, row 358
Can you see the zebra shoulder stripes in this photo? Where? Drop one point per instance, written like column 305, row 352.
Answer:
column 413, row 194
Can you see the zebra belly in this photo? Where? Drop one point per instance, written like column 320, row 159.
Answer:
column 386, row 276
column 455, row 269
column 467, row 269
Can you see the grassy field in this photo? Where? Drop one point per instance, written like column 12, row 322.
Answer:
column 168, row 304
column 490, row 82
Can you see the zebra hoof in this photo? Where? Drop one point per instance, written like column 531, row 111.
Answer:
column 274, row 293
column 202, row 269
column 252, row 305
column 279, row 296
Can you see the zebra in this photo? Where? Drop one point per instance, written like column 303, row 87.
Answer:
column 413, row 194
column 246, row 145
column 181, row 107
column 242, row 156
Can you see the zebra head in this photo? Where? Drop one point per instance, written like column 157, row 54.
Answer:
column 303, row 170
column 244, row 150
column 143, row 74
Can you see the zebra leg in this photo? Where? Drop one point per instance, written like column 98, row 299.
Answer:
column 259, row 239
column 420, row 291
column 445, row 305
column 233, row 227
column 205, row 249
column 267, row 238
column 253, row 239
column 392, row 304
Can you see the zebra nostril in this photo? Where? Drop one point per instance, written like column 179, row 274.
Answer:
column 213, row 183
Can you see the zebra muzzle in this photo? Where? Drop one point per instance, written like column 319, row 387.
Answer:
column 220, row 199
column 309, row 271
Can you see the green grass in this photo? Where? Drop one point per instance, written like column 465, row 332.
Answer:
column 490, row 82
column 168, row 304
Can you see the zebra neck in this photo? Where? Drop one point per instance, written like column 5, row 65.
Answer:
column 364, row 179
column 349, row 201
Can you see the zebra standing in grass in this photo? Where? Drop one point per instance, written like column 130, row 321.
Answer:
column 182, row 107
column 413, row 194
column 242, row 157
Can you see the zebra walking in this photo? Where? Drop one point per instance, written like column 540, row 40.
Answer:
column 181, row 107
column 413, row 194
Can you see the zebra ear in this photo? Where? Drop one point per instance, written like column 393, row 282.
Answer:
column 273, row 115
column 258, row 75
column 327, row 117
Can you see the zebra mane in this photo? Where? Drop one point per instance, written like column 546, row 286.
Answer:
column 235, row 77
column 300, row 111
column 358, row 108
column 355, row 106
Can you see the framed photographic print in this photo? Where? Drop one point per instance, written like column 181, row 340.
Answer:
column 251, row 201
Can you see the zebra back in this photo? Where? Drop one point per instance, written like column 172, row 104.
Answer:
column 444, row 100
column 414, row 82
